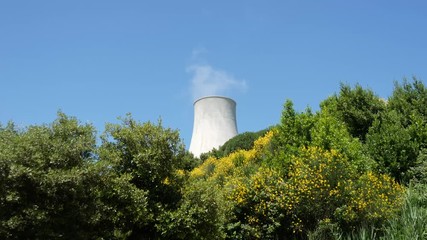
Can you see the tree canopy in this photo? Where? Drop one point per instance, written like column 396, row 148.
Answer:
column 315, row 175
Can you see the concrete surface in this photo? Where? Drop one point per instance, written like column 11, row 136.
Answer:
column 214, row 123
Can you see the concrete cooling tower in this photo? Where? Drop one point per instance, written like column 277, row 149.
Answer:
column 214, row 123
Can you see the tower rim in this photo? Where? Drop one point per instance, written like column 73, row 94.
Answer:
column 213, row 96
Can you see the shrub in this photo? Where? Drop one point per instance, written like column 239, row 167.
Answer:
column 236, row 163
column 243, row 141
column 316, row 187
column 374, row 199
column 324, row 185
column 202, row 213
column 259, row 205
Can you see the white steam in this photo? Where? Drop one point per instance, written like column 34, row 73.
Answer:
column 207, row 81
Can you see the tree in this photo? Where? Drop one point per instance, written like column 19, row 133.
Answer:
column 356, row 107
column 202, row 213
column 155, row 159
column 292, row 133
column 394, row 147
column 399, row 133
column 408, row 99
column 322, row 129
column 51, row 186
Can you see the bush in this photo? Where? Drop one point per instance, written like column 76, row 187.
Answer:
column 243, row 141
column 202, row 213
column 259, row 205
column 324, row 185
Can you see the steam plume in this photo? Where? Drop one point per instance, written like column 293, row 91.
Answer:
column 207, row 80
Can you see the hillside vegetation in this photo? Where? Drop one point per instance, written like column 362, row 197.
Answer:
column 355, row 169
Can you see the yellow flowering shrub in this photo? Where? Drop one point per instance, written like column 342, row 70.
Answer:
column 373, row 198
column 259, row 204
column 255, row 193
column 325, row 185
column 220, row 169
column 262, row 142
column 317, row 186
column 205, row 169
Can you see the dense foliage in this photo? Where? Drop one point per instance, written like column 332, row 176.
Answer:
column 355, row 169
column 398, row 134
column 356, row 107
column 242, row 141
column 51, row 187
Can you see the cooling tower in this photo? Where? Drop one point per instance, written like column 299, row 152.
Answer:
column 214, row 123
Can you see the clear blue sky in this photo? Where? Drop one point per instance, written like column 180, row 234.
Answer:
column 98, row 60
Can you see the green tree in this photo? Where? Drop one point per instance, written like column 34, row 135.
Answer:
column 322, row 130
column 393, row 146
column 155, row 159
column 293, row 132
column 51, row 187
column 399, row 133
column 409, row 99
column 330, row 133
column 202, row 213
column 356, row 107
column 294, row 128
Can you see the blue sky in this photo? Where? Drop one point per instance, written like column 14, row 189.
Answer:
column 98, row 60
